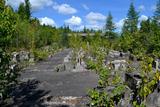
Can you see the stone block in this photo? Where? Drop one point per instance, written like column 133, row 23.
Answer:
column 15, row 57
column 153, row 100
column 119, row 64
column 24, row 56
column 133, row 80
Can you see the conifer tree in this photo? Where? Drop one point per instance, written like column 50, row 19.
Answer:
column 24, row 10
column 131, row 21
column 21, row 11
column 110, row 27
column 145, row 26
column 157, row 13
column 28, row 9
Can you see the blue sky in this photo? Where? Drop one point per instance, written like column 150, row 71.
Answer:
column 89, row 13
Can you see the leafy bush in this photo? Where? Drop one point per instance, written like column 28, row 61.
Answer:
column 91, row 65
column 40, row 54
column 8, row 77
column 103, row 77
column 100, row 99
column 7, row 25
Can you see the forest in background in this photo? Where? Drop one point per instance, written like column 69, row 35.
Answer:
column 19, row 30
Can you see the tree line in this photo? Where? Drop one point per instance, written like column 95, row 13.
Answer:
column 144, row 39
column 19, row 30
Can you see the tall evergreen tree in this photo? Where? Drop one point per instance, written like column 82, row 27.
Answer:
column 145, row 26
column 21, row 11
column 131, row 21
column 145, row 34
column 157, row 13
column 28, row 9
column 110, row 27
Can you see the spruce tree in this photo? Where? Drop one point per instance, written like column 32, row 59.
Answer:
column 21, row 11
column 145, row 34
column 157, row 13
column 24, row 10
column 131, row 21
column 28, row 9
column 110, row 27
column 145, row 26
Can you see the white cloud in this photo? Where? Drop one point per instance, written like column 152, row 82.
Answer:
column 141, row 8
column 14, row 3
column 47, row 21
column 85, row 6
column 35, row 4
column 143, row 18
column 39, row 4
column 64, row 9
column 94, row 18
column 74, row 21
column 119, row 24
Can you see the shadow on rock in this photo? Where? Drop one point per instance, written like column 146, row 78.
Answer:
column 27, row 95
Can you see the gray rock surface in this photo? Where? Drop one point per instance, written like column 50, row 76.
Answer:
column 21, row 56
column 153, row 100
column 133, row 80
column 42, row 85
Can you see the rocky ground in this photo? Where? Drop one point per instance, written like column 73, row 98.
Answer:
column 45, row 85
column 57, row 82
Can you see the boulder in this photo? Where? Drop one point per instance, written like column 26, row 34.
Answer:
column 132, row 58
column 114, row 54
column 124, row 103
column 156, row 64
column 31, row 57
column 133, row 80
column 119, row 64
column 153, row 100
column 61, row 68
column 15, row 57
column 14, row 67
column 24, row 56
column 67, row 59
column 68, row 66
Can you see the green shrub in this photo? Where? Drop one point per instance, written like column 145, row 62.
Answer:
column 40, row 54
column 8, row 77
column 91, row 65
